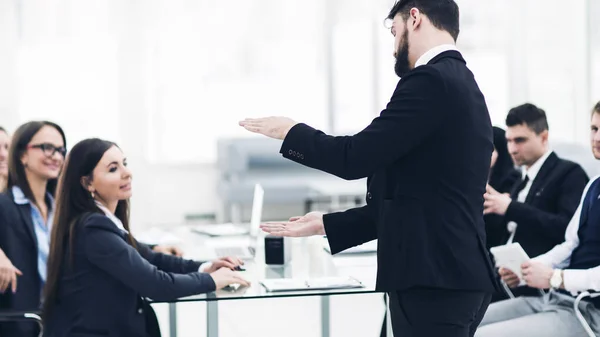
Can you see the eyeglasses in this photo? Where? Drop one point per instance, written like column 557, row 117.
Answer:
column 49, row 149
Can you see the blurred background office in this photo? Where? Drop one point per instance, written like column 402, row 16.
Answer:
column 168, row 81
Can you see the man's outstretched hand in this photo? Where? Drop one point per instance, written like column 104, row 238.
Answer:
column 274, row 127
column 308, row 225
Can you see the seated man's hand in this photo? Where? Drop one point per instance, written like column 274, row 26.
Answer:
column 168, row 250
column 494, row 202
column 511, row 279
column 224, row 262
column 536, row 274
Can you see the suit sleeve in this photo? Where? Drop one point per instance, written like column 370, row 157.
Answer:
column 168, row 263
column 412, row 115
column 106, row 249
column 552, row 225
column 350, row 228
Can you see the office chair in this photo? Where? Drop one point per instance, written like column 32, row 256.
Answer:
column 510, row 293
column 580, row 317
column 15, row 316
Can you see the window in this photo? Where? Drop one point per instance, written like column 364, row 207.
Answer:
column 67, row 67
column 594, row 50
column 483, row 43
column 214, row 63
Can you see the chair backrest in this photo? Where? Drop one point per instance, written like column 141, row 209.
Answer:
column 20, row 316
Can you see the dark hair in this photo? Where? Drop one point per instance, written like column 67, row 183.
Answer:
column 3, row 130
column 16, row 170
column 504, row 163
column 596, row 108
column 72, row 203
column 530, row 115
column 443, row 14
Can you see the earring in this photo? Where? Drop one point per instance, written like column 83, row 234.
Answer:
column 92, row 193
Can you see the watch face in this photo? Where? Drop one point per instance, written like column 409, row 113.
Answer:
column 556, row 280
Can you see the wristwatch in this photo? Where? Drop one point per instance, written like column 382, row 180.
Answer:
column 556, row 280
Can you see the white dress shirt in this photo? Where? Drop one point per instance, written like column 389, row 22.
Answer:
column 560, row 256
column 111, row 216
column 119, row 224
column 433, row 52
column 531, row 173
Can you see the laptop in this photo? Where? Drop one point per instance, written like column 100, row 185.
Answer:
column 230, row 229
column 243, row 248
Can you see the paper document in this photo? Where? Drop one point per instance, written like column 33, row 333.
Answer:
column 511, row 257
column 274, row 285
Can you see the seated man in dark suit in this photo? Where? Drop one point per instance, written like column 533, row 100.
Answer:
column 553, row 315
column 540, row 205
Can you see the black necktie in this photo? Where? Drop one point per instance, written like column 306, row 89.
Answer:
column 519, row 188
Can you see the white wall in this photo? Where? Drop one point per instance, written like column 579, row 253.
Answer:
column 165, row 193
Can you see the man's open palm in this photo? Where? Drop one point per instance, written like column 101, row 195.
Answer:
column 308, row 225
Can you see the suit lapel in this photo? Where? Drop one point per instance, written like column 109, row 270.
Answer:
column 541, row 177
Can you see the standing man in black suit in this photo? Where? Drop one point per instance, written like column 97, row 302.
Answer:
column 427, row 159
column 542, row 202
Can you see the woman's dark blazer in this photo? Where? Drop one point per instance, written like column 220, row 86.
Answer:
column 19, row 243
column 104, row 281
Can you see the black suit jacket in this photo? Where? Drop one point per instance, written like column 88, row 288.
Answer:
column 427, row 159
column 101, row 293
column 549, row 206
column 19, row 243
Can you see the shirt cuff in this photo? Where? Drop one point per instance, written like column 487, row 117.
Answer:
column 576, row 280
column 205, row 266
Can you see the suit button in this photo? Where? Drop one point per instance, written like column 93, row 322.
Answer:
column 301, row 156
column 369, row 196
column 290, row 152
column 140, row 311
column 294, row 153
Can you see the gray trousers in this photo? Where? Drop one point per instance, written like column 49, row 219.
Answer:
column 549, row 316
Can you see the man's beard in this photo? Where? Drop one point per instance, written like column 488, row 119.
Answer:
column 402, row 65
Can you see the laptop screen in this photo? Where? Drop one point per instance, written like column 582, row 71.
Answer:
column 257, row 206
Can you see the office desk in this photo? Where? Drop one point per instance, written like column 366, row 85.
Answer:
column 309, row 260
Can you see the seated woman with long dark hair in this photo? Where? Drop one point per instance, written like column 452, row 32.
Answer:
column 98, row 275
column 35, row 160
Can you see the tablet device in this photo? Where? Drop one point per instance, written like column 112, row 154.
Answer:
column 511, row 257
